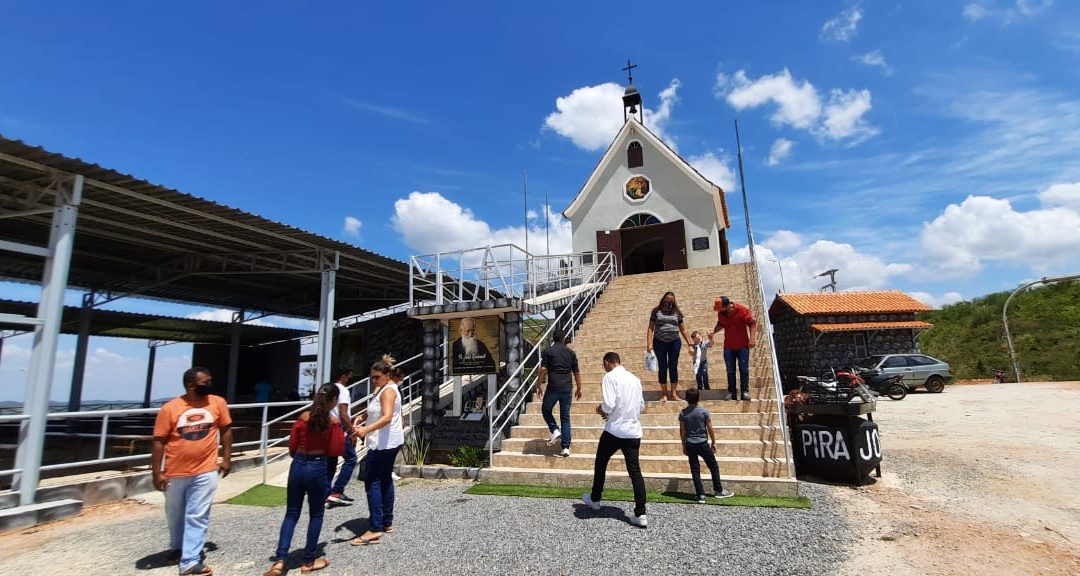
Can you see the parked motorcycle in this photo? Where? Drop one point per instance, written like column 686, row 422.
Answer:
column 891, row 385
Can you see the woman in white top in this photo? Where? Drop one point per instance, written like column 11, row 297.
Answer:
column 384, row 435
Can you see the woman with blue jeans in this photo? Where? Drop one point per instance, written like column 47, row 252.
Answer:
column 665, row 328
column 314, row 436
column 384, row 436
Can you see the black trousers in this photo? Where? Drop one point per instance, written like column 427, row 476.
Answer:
column 608, row 445
column 704, row 451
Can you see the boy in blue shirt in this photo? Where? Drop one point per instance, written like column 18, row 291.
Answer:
column 698, row 439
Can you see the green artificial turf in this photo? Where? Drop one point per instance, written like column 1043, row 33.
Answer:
column 626, row 495
column 260, row 495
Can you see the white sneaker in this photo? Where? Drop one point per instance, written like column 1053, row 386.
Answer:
column 394, row 476
column 587, row 499
column 640, row 521
column 565, row 452
column 554, row 437
column 723, row 494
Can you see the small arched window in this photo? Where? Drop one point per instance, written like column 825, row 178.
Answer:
column 639, row 220
column 634, row 156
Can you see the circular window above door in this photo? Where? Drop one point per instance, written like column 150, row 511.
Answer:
column 637, row 188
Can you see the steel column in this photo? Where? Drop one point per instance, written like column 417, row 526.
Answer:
column 43, row 358
column 234, row 355
column 149, row 375
column 78, row 371
column 326, row 328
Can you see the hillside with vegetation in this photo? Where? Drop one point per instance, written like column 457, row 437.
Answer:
column 1045, row 327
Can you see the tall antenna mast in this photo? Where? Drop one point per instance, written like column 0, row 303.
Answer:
column 746, row 205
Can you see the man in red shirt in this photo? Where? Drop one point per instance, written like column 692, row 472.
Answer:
column 740, row 330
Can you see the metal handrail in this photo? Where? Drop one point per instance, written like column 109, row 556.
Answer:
column 500, row 271
column 602, row 273
column 753, row 277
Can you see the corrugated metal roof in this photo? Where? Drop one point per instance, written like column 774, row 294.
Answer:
column 883, row 301
column 854, row 326
column 117, row 324
column 129, row 230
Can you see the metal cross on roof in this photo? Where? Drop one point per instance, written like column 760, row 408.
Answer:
column 629, row 71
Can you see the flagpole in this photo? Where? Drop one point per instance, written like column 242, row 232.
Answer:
column 746, row 205
column 526, row 186
column 547, row 224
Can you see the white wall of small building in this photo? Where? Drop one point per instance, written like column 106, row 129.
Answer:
column 673, row 196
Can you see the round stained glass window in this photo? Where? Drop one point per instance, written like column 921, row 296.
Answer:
column 637, row 188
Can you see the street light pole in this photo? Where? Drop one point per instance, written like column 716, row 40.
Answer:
column 781, row 269
column 1005, row 314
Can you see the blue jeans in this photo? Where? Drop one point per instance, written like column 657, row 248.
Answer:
column 563, row 398
column 702, row 376
column 347, row 467
column 741, row 357
column 187, row 510
column 667, row 359
column 704, row 451
column 307, row 476
column 380, row 488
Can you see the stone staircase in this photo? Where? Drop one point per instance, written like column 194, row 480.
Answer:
column 750, row 445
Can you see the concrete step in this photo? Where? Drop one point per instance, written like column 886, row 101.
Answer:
column 675, row 482
column 25, row 516
column 649, row 447
column 672, row 408
column 760, row 433
column 750, row 418
column 737, row 465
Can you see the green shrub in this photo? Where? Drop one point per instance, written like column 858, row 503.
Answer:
column 417, row 445
column 467, row 457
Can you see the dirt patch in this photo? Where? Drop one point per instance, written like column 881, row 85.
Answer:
column 977, row 479
column 92, row 517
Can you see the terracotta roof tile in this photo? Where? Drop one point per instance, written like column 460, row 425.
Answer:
column 883, row 301
column 852, row 326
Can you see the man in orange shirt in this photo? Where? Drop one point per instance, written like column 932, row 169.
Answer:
column 186, row 439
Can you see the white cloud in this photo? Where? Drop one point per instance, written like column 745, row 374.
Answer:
column 975, row 11
column 590, row 116
column 1067, row 195
column 352, row 226
column 783, row 241
column 937, row 301
column 842, row 27
column 982, row 228
column 715, row 169
column 429, row 223
column 1006, row 13
column 781, row 149
column 844, row 115
column 856, row 270
column 874, row 59
column 799, row 105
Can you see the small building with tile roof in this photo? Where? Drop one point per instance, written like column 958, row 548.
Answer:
column 814, row 331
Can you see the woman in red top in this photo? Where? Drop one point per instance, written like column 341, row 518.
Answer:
column 314, row 436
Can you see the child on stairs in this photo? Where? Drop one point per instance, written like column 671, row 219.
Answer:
column 699, row 440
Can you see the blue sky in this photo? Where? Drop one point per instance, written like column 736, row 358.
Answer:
column 928, row 146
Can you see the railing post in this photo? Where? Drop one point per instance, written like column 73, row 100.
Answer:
column 263, row 440
column 104, row 433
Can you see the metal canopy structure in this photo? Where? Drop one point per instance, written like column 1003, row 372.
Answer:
column 116, row 324
column 135, row 237
column 66, row 223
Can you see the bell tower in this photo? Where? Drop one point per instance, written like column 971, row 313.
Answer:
column 631, row 97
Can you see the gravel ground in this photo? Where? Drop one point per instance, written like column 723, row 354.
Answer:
column 441, row 530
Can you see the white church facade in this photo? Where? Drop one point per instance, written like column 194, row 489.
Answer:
column 648, row 205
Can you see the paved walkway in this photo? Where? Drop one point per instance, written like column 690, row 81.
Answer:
column 441, row 530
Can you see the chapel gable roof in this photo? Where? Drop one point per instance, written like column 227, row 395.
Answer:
column 632, row 130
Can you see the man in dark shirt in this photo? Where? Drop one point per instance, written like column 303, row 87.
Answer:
column 557, row 364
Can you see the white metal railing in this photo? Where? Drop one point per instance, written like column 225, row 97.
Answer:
column 115, row 417
column 407, row 388
column 528, row 370
column 373, row 314
column 753, row 278
column 492, row 272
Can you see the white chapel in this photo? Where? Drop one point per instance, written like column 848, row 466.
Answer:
column 647, row 205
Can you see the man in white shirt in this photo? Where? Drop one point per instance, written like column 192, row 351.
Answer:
column 621, row 406
column 340, row 411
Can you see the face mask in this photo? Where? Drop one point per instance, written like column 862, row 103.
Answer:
column 668, row 305
column 201, row 390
